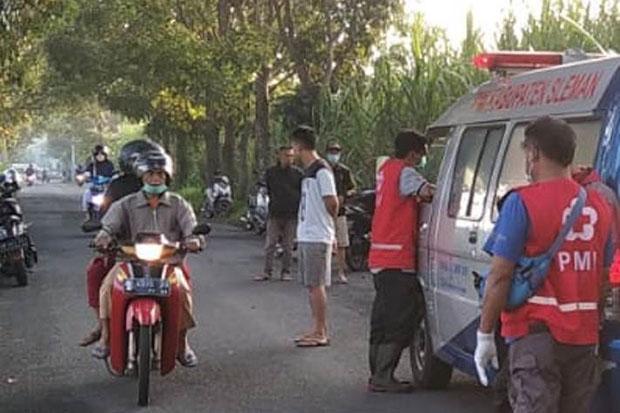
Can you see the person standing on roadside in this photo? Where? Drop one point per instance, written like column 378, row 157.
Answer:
column 553, row 336
column 396, row 308
column 315, row 232
column 345, row 186
column 284, row 188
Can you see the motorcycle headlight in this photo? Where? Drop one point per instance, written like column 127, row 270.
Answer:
column 149, row 252
column 98, row 199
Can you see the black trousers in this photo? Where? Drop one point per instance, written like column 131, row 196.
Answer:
column 397, row 309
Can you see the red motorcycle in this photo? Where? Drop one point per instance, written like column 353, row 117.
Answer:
column 146, row 307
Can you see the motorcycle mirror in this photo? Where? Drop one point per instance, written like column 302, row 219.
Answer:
column 202, row 229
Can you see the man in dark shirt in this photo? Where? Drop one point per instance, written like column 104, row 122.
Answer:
column 284, row 187
column 345, row 187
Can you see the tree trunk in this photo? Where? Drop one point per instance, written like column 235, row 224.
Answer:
column 261, row 121
column 244, row 168
column 212, row 141
column 228, row 153
column 182, row 158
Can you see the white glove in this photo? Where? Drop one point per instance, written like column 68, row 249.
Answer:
column 486, row 353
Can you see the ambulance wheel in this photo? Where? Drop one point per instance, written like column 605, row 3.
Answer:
column 429, row 372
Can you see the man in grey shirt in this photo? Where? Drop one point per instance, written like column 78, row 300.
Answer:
column 153, row 209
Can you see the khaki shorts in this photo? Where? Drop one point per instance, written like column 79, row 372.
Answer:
column 315, row 264
column 342, row 232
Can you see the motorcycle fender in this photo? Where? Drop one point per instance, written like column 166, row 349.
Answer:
column 145, row 311
column 171, row 317
column 118, row 334
column 16, row 256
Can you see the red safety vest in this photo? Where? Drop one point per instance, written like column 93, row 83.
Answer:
column 590, row 179
column 394, row 223
column 567, row 302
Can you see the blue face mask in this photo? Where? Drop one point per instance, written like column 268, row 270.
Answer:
column 154, row 189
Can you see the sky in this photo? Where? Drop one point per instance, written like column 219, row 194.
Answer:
column 450, row 14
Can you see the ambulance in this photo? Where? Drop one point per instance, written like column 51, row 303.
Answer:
column 480, row 137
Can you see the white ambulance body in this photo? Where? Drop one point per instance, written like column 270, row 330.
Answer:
column 482, row 161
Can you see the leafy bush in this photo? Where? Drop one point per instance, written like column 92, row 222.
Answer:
column 194, row 194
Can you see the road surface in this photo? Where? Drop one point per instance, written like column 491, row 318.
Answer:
column 248, row 362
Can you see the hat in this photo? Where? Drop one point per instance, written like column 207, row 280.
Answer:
column 334, row 146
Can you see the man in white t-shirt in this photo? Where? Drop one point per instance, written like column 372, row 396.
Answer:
column 315, row 232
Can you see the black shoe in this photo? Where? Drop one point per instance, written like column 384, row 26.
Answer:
column 384, row 360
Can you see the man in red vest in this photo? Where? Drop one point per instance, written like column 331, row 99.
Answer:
column 392, row 259
column 552, row 337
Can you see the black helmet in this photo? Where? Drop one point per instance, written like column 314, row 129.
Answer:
column 132, row 151
column 101, row 149
column 152, row 161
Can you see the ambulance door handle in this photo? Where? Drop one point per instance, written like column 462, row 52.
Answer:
column 473, row 237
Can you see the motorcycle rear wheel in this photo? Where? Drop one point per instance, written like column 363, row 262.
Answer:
column 357, row 255
column 144, row 364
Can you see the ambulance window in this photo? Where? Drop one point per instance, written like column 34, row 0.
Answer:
column 435, row 155
column 513, row 170
column 472, row 173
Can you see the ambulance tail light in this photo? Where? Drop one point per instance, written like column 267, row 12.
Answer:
column 498, row 61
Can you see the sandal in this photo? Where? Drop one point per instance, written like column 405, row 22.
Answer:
column 304, row 337
column 100, row 352
column 188, row 358
column 314, row 342
column 262, row 277
column 91, row 338
column 286, row 276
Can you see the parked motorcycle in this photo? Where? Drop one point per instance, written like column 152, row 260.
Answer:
column 359, row 210
column 218, row 198
column 17, row 251
column 258, row 210
column 144, row 320
column 97, row 187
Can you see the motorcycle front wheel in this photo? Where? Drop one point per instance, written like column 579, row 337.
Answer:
column 21, row 273
column 144, row 364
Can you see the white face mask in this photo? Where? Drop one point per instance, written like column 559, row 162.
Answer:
column 333, row 158
column 423, row 162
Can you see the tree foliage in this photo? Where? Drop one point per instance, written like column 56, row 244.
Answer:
column 220, row 83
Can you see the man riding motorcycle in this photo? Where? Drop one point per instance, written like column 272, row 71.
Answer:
column 99, row 166
column 122, row 185
column 30, row 175
column 154, row 208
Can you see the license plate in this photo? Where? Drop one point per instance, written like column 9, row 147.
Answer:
column 153, row 287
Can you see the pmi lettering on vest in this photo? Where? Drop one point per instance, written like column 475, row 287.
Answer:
column 578, row 261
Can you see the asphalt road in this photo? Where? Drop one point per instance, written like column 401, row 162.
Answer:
column 248, row 362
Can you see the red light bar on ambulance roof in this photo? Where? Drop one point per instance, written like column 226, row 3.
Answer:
column 496, row 61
